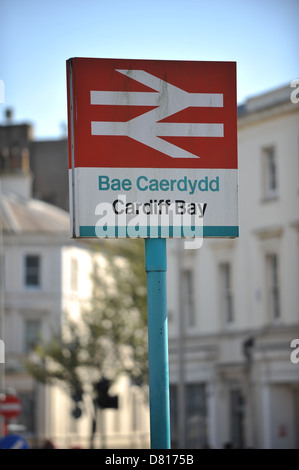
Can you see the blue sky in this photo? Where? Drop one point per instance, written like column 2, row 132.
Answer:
column 38, row 36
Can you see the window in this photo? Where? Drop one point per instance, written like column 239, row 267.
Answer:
column 28, row 413
column 273, row 285
column 32, row 331
column 134, row 412
column 226, row 296
column 270, row 173
column 74, row 274
column 174, row 411
column 32, row 271
column 237, row 418
column 196, row 416
column 188, row 297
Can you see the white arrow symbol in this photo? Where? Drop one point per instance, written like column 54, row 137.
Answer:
column 168, row 100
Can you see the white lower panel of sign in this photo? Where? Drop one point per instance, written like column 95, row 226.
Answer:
column 150, row 202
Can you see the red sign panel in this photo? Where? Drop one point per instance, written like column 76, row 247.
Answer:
column 152, row 114
column 10, row 406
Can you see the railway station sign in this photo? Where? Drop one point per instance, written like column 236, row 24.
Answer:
column 152, row 148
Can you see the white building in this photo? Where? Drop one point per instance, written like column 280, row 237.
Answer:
column 231, row 374
column 46, row 279
column 239, row 300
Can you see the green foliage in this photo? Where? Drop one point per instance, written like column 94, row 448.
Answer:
column 127, row 307
column 58, row 360
column 111, row 336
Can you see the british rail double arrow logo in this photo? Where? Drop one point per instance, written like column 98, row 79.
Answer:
column 147, row 128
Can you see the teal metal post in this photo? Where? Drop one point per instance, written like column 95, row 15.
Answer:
column 156, row 265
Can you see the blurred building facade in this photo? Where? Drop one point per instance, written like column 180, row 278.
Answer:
column 47, row 279
column 232, row 380
column 48, row 160
column 233, row 305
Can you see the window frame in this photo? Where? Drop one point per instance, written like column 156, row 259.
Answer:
column 188, row 293
column 38, row 326
column 35, row 271
column 74, row 274
column 273, row 286
column 270, row 173
column 226, row 293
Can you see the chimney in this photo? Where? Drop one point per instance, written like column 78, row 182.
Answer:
column 9, row 116
column 15, row 174
column 15, row 141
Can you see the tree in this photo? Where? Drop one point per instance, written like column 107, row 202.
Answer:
column 130, row 323
column 111, row 336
